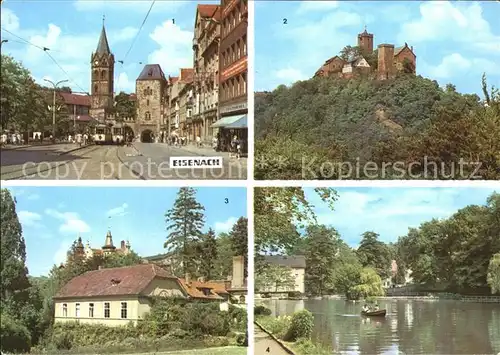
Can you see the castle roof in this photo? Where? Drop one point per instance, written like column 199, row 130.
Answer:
column 103, row 46
column 398, row 50
column 151, row 72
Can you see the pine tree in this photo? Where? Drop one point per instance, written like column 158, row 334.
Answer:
column 14, row 273
column 185, row 221
column 239, row 239
column 208, row 254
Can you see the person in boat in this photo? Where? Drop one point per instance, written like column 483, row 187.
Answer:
column 366, row 308
column 376, row 308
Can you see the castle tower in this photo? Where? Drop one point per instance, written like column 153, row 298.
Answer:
column 79, row 249
column 386, row 68
column 102, row 82
column 108, row 245
column 365, row 42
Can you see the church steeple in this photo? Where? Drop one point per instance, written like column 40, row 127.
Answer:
column 103, row 46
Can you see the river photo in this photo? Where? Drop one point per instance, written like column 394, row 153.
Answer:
column 410, row 327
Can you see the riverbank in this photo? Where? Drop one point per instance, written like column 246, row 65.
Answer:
column 280, row 330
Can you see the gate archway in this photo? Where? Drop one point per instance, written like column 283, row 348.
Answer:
column 147, row 136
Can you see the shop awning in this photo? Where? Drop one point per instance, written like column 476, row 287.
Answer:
column 241, row 123
column 225, row 121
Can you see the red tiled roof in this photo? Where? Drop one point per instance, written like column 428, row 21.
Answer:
column 75, row 99
column 130, row 280
column 187, row 75
column 211, row 11
column 174, row 79
column 194, row 289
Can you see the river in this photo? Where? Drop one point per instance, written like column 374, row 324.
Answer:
column 410, row 327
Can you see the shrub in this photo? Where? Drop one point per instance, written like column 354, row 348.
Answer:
column 294, row 294
column 262, row 311
column 242, row 339
column 301, row 326
column 14, row 336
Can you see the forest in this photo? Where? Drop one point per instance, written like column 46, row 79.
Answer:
column 459, row 254
column 408, row 127
column 27, row 306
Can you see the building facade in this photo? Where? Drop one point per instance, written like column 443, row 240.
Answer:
column 102, row 79
column 233, row 67
column 206, row 70
column 297, row 267
column 108, row 248
column 180, row 100
column 78, row 109
column 150, row 89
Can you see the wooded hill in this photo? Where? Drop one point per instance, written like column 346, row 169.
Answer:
column 401, row 120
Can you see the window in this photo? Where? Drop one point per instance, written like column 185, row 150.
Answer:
column 91, row 310
column 95, row 89
column 147, row 102
column 106, row 309
column 238, row 45
column 65, row 309
column 124, row 310
column 147, row 116
column 103, row 75
column 244, row 84
column 77, row 310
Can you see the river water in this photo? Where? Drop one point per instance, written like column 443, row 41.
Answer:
column 410, row 327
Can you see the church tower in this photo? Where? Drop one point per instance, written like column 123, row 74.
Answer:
column 102, row 85
column 365, row 42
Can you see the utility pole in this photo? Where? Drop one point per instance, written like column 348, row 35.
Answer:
column 54, row 106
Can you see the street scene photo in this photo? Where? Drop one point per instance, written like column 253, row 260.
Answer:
column 124, row 90
column 377, row 90
column 385, row 271
column 89, row 270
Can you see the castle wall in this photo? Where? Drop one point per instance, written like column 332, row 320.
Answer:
column 386, row 69
column 404, row 54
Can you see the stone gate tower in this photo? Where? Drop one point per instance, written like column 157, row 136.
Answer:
column 102, row 83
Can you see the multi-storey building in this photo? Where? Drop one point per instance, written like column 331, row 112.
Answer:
column 233, row 67
column 180, row 100
column 206, row 70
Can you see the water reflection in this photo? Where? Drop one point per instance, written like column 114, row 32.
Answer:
column 412, row 327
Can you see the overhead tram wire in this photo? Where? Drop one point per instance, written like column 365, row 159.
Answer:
column 138, row 32
column 46, row 50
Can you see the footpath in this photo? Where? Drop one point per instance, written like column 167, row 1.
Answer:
column 60, row 148
column 267, row 345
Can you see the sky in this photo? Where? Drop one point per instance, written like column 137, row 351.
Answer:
column 391, row 211
column 52, row 217
column 165, row 39
column 455, row 42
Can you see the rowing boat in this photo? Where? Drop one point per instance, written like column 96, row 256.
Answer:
column 379, row 313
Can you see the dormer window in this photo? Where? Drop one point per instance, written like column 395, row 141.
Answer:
column 115, row 282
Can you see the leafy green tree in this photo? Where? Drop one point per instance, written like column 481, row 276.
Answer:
column 208, row 254
column 224, row 262
column 374, row 253
column 239, row 240
column 275, row 208
column 349, row 53
column 494, row 274
column 124, row 106
column 276, row 276
column 120, row 260
column 185, row 221
column 370, row 285
column 322, row 251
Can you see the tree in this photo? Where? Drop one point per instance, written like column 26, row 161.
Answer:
column 349, row 53
column 120, row 260
column 185, row 221
column 13, row 270
column 374, row 253
column 224, row 262
column 276, row 276
column 239, row 240
column 322, row 245
column 494, row 274
column 208, row 254
column 370, row 285
column 124, row 106
column 275, row 208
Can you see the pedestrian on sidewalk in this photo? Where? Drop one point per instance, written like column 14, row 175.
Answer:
column 198, row 141
column 237, row 147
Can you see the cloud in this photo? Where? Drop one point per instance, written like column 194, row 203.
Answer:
column 72, row 223
column 9, row 20
column 29, row 219
column 124, row 84
column 458, row 22
column 175, row 47
column 225, row 227
column 61, row 254
column 290, row 75
column 118, row 211
column 456, row 64
column 308, row 6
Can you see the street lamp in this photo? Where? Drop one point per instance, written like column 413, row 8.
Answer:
column 4, row 41
column 54, row 106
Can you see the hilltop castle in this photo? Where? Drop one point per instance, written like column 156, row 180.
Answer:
column 389, row 61
column 107, row 249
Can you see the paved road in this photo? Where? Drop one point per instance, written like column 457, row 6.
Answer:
column 264, row 342
column 143, row 161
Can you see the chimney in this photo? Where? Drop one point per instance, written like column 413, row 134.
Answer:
column 122, row 245
column 188, row 278
column 238, row 272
